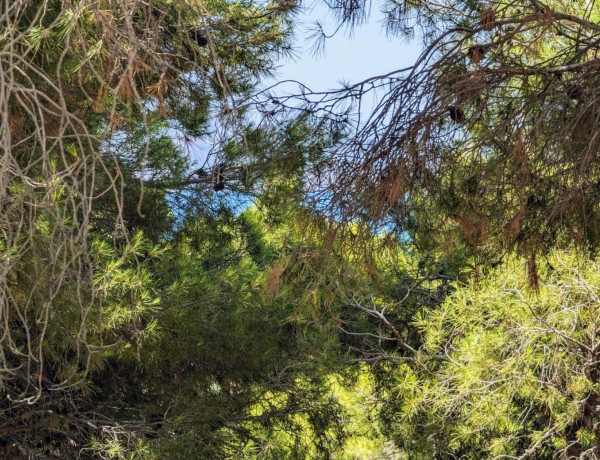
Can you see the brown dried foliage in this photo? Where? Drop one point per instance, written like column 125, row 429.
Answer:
column 488, row 19
column 531, row 144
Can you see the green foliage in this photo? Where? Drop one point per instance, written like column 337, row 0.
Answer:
column 148, row 311
column 134, row 303
column 504, row 370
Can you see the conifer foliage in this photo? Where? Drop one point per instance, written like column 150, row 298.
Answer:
column 188, row 270
column 130, row 292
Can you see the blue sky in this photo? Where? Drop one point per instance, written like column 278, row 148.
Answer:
column 367, row 52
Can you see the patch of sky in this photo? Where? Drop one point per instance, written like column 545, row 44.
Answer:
column 349, row 56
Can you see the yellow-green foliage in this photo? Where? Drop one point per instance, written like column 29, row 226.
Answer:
column 364, row 442
column 508, row 370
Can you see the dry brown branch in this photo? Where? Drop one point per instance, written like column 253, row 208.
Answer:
column 490, row 139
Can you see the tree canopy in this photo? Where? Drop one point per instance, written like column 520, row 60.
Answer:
column 192, row 266
column 489, row 138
